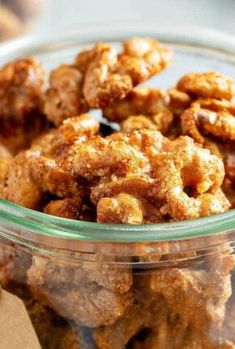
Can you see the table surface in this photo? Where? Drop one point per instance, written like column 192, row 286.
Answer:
column 217, row 14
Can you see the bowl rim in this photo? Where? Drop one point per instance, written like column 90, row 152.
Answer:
column 39, row 223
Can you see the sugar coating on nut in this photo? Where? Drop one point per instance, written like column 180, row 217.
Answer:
column 209, row 117
column 36, row 172
column 207, row 85
column 110, row 76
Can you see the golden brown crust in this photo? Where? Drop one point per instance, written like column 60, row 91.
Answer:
column 20, row 187
column 32, row 174
column 110, row 77
column 177, row 175
column 209, row 117
column 102, row 84
column 143, row 58
column 207, row 85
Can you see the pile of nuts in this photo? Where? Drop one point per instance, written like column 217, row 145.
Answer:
column 170, row 160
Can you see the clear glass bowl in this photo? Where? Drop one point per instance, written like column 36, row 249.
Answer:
column 93, row 286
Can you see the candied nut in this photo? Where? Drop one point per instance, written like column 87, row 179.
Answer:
column 123, row 208
column 123, row 201
column 110, row 276
column 20, row 187
column 196, row 340
column 216, row 121
column 21, row 86
column 193, row 168
column 207, row 85
column 201, row 294
column 196, row 319
column 212, row 204
column 21, row 90
column 143, row 58
column 51, row 177
column 218, row 124
column 100, row 157
column 78, row 293
column 145, row 101
column 182, row 207
column 39, row 170
column 66, row 208
column 55, row 143
column 64, row 97
column 208, row 168
column 110, row 77
column 102, row 84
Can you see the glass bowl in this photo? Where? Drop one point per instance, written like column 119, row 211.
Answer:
column 95, row 286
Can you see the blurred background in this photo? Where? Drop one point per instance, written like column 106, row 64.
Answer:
column 18, row 17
